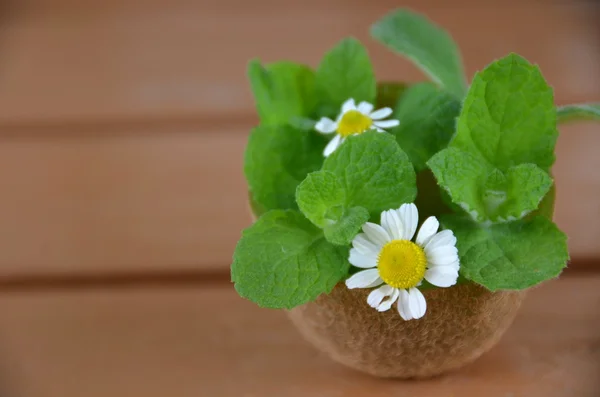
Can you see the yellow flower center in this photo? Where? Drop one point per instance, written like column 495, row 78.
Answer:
column 401, row 264
column 353, row 122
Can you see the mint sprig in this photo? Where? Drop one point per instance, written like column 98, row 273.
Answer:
column 277, row 159
column 284, row 92
column 346, row 72
column 366, row 175
column 427, row 45
column 579, row 112
column 496, row 167
column 427, row 122
column 514, row 256
column 283, row 261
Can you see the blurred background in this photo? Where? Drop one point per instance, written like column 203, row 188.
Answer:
column 122, row 130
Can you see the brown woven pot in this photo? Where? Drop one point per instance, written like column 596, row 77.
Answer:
column 461, row 323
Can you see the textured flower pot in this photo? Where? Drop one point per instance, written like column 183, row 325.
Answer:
column 461, row 323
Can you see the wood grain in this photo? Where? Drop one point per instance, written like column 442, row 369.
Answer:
column 206, row 341
column 89, row 61
column 128, row 201
column 122, row 123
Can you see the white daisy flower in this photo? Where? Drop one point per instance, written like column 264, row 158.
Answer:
column 354, row 120
column 392, row 259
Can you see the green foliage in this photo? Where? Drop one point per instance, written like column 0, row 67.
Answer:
column 367, row 174
column 322, row 198
column 427, row 45
column 374, row 171
column 512, row 256
column 583, row 111
column 496, row 167
column 508, row 117
column 346, row 72
column 277, row 159
column 428, row 118
column 490, row 154
column 283, row 261
column 347, row 227
column 284, row 92
column 484, row 191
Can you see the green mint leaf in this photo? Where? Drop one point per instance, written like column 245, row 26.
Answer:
column 509, row 256
column 508, row 117
column 321, row 198
column 283, row 261
column 583, row 111
column 277, row 159
column 346, row 72
column 284, row 92
column 376, row 174
column 461, row 174
column 485, row 192
column 347, row 227
column 427, row 122
column 427, row 45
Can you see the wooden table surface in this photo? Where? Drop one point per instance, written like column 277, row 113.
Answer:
column 192, row 338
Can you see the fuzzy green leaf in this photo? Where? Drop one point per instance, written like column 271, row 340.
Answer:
column 347, row 227
column 580, row 112
column 321, row 198
column 277, row 159
column 508, row 117
column 427, row 122
column 376, row 174
column 284, row 92
column 427, row 45
column 484, row 191
column 509, row 256
column 346, row 72
column 283, row 261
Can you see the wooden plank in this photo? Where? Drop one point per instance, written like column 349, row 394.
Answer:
column 121, row 203
column 125, row 200
column 90, row 61
column 205, row 340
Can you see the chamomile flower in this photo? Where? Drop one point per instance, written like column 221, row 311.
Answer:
column 354, row 120
column 397, row 265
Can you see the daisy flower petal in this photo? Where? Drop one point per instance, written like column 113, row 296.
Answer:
column 390, row 221
column 381, row 113
column 428, row 229
column 441, row 256
column 387, row 304
column 365, row 246
column 442, row 276
column 365, row 108
column 416, row 302
column 403, row 305
column 362, row 279
column 377, row 295
column 363, row 261
column 386, row 123
column 332, row 145
column 375, row 283
column 445, row 237
column 326, row 125
column 409, row 216
column 376, row 233
column 348, row 105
